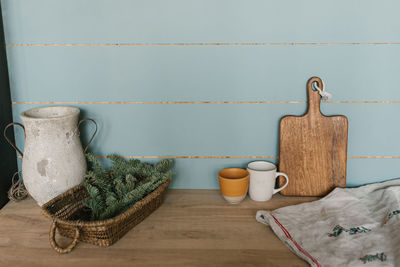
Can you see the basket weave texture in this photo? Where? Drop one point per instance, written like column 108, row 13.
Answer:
column 72, row 219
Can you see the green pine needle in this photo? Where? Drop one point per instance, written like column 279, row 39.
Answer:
column 113, row 191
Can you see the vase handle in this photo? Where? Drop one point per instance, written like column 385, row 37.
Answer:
column 94, row 134
column 8, row 139
column 55, row 246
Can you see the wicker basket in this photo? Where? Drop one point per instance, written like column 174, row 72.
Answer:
column 71, row 219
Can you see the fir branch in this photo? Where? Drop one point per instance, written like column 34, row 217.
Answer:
column 164, row 165
column 95, row 165
column 126, row 182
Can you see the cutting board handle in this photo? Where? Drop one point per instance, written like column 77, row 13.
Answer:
column 314, row 98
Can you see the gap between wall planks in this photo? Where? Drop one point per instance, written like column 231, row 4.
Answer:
column 196, row 102
column 232, row 157
column 204, row 44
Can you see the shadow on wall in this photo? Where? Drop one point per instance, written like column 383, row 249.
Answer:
column 8, row 158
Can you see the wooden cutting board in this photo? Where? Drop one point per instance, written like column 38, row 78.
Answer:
column 313, row 149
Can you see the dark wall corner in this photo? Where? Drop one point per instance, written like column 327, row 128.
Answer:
column 8, row 159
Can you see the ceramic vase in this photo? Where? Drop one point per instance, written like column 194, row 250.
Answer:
column 53, row 160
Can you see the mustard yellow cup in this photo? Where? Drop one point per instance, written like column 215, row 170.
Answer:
column 233, row 184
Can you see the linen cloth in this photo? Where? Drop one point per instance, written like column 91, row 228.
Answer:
column 349, row 227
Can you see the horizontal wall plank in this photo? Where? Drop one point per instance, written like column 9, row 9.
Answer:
column 104, row 21
column 238, row 130
column 203, row 173
column 259, row 73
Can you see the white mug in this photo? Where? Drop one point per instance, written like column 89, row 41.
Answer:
column 263, row 175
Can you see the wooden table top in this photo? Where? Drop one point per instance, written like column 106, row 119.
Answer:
column 191, row 228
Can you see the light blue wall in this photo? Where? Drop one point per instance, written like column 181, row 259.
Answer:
column 127, row 54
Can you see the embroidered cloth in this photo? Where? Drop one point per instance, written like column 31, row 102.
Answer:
column 349, row 227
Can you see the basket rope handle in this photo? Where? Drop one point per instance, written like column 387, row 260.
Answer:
column 54, row 244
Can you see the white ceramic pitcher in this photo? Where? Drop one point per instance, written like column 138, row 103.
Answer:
column 53, row 160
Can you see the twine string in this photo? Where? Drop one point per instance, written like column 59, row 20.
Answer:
column 324, row 94
column 17, row 191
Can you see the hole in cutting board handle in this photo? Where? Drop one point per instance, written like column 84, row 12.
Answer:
column 314, row 97
column 315, row 80
column 315, row 84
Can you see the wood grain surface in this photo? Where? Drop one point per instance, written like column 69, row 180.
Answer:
column 313, row 149
column 191, row 228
